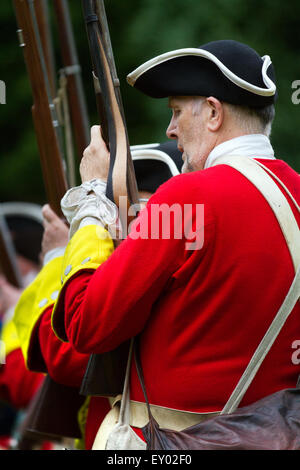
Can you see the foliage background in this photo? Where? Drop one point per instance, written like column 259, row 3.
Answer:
column 141, row 29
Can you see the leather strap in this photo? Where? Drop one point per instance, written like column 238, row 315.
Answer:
column 254, row 172
column 166, row 417
column 264, row 346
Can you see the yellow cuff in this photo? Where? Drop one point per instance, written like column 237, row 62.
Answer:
column 89, row 247
column 35, row 299
column 9, row 337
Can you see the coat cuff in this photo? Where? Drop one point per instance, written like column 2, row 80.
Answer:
column 89, row 247
column 34, row 301
column 88, row 201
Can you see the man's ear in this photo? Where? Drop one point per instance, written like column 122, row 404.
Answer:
column 216, row 114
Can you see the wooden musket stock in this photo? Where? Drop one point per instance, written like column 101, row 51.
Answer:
column 106, row 372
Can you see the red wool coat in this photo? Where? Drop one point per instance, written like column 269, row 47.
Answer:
column 18, row 385
column 62, row 362
column 201, row 313
column 66, row 366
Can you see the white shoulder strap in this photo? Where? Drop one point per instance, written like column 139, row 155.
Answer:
column 281, row 208
column 252, row 170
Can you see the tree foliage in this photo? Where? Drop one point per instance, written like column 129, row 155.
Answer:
column 141, row 29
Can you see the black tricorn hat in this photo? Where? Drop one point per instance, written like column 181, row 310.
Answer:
column 154, row 164
column 228, row 70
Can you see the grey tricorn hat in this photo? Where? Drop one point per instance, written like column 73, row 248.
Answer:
column 228, row 70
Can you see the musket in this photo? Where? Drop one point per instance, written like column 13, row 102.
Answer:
column 66, row 91
column 43, row 20
column 121, row 179
column 41, row 420
column 106, row 372
column 43, row 109
column 7, row 251
column 72, row 71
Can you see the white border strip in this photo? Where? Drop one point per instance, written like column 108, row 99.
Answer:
column 22, row 209
column 269, row 91
column 144, row 146
column 158, row 155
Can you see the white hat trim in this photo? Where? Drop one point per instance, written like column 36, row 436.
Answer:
column 22, row 209
column 269, row 91
column 158, row 155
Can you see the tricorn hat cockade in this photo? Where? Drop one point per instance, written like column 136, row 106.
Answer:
column 228, row 70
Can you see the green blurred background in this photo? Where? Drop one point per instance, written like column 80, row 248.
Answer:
column 141, row 29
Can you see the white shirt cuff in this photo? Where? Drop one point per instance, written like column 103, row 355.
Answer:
column 87, row 204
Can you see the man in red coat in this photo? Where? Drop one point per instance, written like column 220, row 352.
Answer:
column 202, row 287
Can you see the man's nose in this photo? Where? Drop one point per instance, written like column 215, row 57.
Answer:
column 172, row 130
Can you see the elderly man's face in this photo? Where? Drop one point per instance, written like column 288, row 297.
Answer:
column 188, row 126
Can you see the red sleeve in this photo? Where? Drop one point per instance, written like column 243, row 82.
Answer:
column 105, row 308
column 17, row 384
column 64, row 365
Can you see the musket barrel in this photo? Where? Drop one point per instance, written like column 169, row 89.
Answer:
column 72, row 71
column 121, row 179
column 42, row 15
column 43, row 111
column 105, row 38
